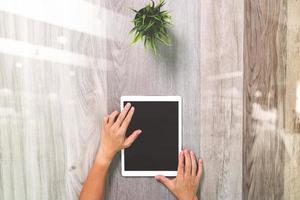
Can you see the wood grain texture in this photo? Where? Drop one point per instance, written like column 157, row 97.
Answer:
column 292, row 105
column 75, row 91
column 293, row 69
column 65, row 64
column 52, row 97
column 136, row 72
column 222, row 98
column 264, row 99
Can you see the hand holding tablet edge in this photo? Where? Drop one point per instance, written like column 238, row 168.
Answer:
column 187, row 181
column 113, row 139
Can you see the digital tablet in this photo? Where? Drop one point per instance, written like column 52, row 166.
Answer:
column 156, row 150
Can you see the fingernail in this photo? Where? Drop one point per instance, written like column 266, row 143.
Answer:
column 140, row 131
column 201, row 161
column 128, row 105
column 132, row 109
column 191, row 152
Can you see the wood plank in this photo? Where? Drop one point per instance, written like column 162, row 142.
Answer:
column 174, row 72
column 291, row 134
column 221, row 54
column 264, row 99
column 50, row 108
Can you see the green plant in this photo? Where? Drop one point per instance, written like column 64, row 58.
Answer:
column 151, row 24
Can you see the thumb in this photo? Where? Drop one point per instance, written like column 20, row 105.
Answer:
column 164, row 180
column 130, row 139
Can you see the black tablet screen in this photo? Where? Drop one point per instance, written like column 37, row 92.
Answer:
column 157, row 147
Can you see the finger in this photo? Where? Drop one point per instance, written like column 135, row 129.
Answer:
column 112, row 117
column 164, row 180
column 194, row 164
column 123, row 114
column 128, row 141
column 200, row 169
column 187, row 158
column 181, row 164
column 127, row 119
column 104, row 121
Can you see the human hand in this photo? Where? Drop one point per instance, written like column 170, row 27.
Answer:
column 186, row 183
column 113, row 137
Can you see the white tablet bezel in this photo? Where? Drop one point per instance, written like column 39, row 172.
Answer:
column 153, row 98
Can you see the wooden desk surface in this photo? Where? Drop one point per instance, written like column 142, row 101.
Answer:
column 65, row 64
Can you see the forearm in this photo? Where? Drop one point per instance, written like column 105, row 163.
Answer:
column 94, row 187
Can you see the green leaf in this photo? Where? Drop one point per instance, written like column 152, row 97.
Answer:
column 149, row 25
column 164, row 12
column 167, row 23
column 144, row 17
column 137, row 19
column 161, row 4
column 153, row 4
column 134, row 10
column 136, row 38
column 132, row 30
column 165, row 39
column 153, row 45
column 157, row 18
column 164, row 31
column 145, row 42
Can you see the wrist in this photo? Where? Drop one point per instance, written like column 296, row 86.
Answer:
column 194, row 198
column 103, row 158
column 103, row 163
